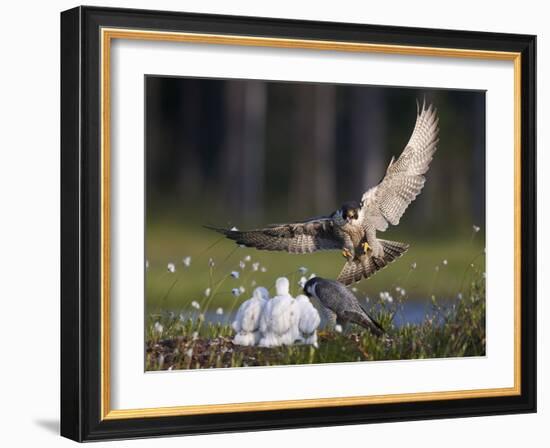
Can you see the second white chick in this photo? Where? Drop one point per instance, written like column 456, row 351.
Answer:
column 280, row 318
column 247, row 320
column 309, row 320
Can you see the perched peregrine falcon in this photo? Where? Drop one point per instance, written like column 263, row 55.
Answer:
column 353, row 227
column 340, row 301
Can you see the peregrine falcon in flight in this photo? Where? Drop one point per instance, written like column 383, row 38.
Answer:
column 352, row 228
column 340, row 302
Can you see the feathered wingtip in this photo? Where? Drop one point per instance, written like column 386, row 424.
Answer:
column 420, row 110
column 221, row 230
column 425, row 107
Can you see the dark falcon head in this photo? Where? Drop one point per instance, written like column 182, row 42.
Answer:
column 350, row 211
column 309, row 287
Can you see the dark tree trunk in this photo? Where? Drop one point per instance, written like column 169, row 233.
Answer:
column 324, row 141
column 190, row 181
column 303, row 157
column 368, row 140
column 255, row 102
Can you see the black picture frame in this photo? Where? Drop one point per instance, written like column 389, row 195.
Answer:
column 81, row 225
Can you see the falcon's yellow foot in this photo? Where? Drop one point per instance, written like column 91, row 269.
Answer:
column 347, row 253
column 366, row 247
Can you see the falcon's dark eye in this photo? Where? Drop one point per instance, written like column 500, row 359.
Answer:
column 352, row 213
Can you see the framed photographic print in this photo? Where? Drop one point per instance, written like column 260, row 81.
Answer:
column 273, row 224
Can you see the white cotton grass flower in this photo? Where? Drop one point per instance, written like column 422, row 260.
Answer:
column 146, row 264
column 195, row 305
column 338, row 328
column 445, row 262
column 385, row 296
column 302, row 270
column 353, row 289
column 263, row 269
column 279, row 321
column 459, row 296
column 255, row 266
column 436, row 268
column 247, row 319
column 171, row 267
column 302, row 282
column 235, row 274
column 236, row 292
column 219, row 311
column 413, row 266
column 207, row 292
column 242, row 264
column 308, row 321
column 476, row 228
column 186, row 261
column 247, row 258
column 158, row 328
column 211, row 263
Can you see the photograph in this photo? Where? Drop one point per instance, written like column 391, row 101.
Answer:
column 292, row 223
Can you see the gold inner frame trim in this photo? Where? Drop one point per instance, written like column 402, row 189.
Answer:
column 107, row 35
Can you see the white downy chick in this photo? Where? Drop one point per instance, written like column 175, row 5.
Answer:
column 247, row 320
column 309, row 320
column 280, row 318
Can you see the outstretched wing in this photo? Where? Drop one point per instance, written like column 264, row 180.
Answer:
column 404, row 177
column 298, row 238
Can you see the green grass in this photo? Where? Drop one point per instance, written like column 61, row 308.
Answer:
column 168, row 242
column 186, row 341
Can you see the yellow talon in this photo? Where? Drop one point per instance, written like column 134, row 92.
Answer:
column 366, row 246
column 346, row 253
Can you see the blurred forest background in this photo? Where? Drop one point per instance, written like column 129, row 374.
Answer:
column 247, row 153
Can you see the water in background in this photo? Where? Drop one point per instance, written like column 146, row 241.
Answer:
column 411, row 312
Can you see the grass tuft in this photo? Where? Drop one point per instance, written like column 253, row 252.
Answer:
column 449, row 329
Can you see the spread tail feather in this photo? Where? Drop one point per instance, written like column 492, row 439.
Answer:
column 355, row 270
